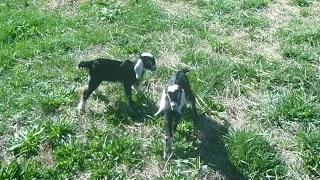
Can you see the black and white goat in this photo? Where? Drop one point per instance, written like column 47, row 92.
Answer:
column 127, row 72
column 172, row 103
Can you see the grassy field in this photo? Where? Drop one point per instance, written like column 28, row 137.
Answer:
column 255, row 73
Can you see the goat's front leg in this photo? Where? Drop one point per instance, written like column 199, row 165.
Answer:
column 128, row 92
column 176, row 121
column 169, row 134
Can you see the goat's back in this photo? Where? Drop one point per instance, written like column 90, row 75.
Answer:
column 112, row 70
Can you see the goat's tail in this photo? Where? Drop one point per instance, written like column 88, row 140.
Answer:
column 85, row 64
column 184, row 70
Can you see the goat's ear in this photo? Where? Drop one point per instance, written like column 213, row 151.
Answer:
column 182, row 101
column 138, row 68
column 162, row 103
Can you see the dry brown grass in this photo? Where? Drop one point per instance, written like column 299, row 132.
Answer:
column 285, row 143
column 92, row 53
column 54, row 4
column 177, row 8
column 169, row 58
column 4, row 154
column 70, row 6
column 236, row 109
column 280, row 11
column 262, row 41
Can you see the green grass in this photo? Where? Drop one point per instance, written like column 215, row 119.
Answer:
column 256, row 80
column 27, row 142
column 300, row 41
column 308, row 143
column 302, row 2
column 253, row 155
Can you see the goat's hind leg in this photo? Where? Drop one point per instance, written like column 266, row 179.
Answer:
column 97, row 92
column 128, row 93
column 93, row 84
column 192, row 99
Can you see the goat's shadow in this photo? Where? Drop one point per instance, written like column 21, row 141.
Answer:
column 118, row 112
column 211, row 148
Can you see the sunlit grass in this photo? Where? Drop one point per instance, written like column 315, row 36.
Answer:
column 42, row 135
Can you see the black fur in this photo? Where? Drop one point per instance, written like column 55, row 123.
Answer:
column 181, row 79
column 114, row 71
column 172, row 117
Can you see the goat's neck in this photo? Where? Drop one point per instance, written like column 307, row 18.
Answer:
column 138, row 68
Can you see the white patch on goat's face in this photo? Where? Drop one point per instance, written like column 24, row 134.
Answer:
column 147, row 54
column 138, row 69
column 175, row 106
column 162, row 103
column 173, row 88
column 150, row 62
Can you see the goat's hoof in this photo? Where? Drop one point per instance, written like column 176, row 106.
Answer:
column 98, row 93
column 167, row 155
column 81, row 108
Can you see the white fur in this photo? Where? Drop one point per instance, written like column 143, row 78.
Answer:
column 147, row 54
column 138, row 69
column 173, row 88
column 82, row 106
column 162, row 102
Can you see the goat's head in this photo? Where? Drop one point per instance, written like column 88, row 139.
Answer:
column 148, row 61
column 176, row 97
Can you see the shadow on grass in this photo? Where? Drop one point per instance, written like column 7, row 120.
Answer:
column 118, row 112
column 211, row 148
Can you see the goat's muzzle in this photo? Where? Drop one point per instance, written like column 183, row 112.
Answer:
column 154, row 68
